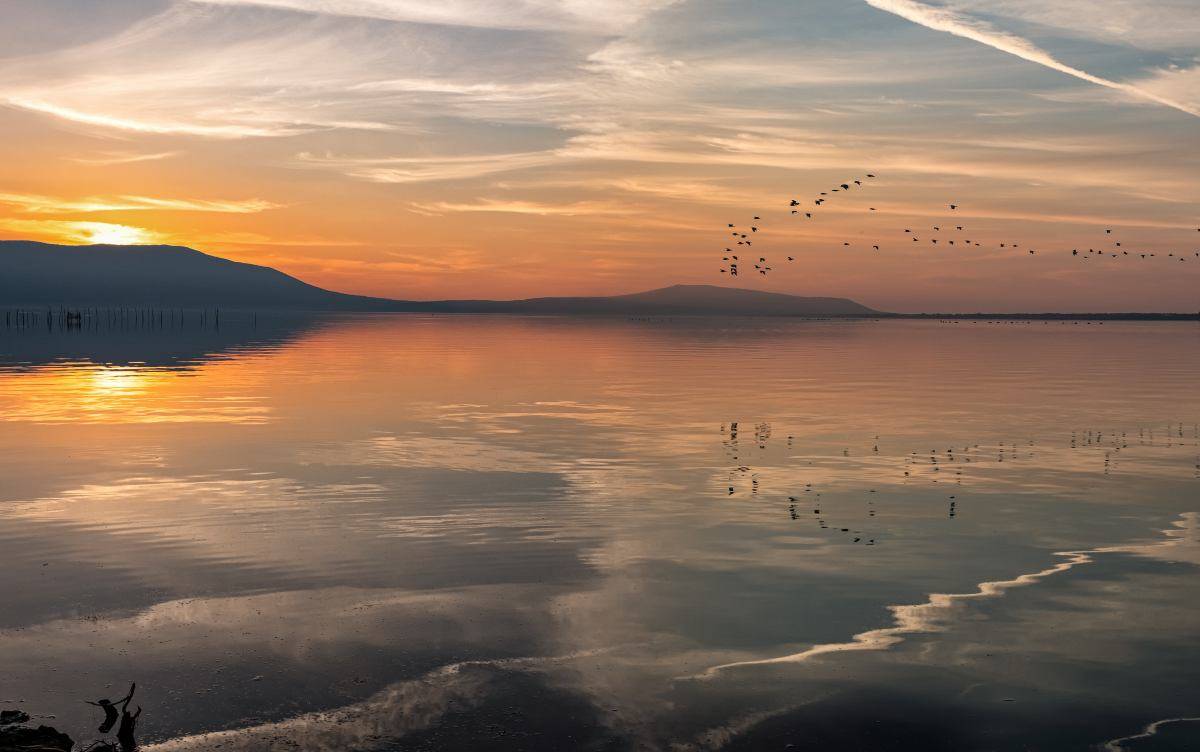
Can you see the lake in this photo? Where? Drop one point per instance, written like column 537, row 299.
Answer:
column 468, row 532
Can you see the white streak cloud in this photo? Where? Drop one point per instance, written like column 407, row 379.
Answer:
column 950, row 22
column 108, row 159
column 159, row 127
column 423, row 169
column 578, row 15
column 523, row 207
column 35, row 204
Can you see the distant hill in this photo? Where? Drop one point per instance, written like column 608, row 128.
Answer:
column 159, row 275
column 41, row 274
column 677, row 300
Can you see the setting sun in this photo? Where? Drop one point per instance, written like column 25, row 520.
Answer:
column 103, row 232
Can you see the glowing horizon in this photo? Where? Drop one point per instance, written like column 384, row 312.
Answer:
column 467, row 149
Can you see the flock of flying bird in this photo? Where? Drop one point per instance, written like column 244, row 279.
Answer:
column 743, row 237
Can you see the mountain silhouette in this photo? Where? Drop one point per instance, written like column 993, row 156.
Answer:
column 676, row 300
column 34, row 273
column 44, row 274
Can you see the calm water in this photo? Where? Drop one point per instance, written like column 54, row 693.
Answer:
column 545, row 534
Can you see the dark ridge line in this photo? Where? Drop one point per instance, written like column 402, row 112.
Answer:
column 154, row 280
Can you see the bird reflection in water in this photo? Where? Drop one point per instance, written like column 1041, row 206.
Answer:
column 126, row 731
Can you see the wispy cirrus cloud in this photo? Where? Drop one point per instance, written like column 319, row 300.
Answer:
column 233, row 128
column 425, row 169
column 35, row 204
column 562, row 15
column 182, row 72
column 498, row 206
column 110, row 158
column 255, row 239
column 148, row 126
column 952, row 22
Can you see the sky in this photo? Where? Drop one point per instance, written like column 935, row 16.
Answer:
column 514, row 148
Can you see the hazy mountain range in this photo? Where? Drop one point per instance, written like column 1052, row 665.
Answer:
column 40, row 274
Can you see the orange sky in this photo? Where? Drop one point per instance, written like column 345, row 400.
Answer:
column 414, row 149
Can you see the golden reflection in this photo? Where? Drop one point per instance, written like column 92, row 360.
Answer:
column 85, row 393
column 111, row 382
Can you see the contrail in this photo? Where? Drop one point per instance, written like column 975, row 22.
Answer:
column 944, row 19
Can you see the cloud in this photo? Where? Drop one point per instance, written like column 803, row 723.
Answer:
column 951, row 22
column 423, row 169
column 35, row 204
column 1153, row 24
column 593, row 16
column 523, row 207
column 276, row 127
column 1178, row 83
column 186, row 72
column 258, row 239
column 160, row 127
column 106, row 159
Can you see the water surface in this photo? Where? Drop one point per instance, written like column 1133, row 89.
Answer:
column 407, row 532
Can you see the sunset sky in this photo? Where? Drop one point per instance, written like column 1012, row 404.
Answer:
column 516, row 148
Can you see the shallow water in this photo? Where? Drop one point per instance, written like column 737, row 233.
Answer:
column 516, row 533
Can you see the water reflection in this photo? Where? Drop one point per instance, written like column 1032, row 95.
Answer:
column 424, row 532
column 131, row 375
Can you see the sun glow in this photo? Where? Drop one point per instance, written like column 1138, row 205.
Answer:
column 104, row 232
column 72, row 232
